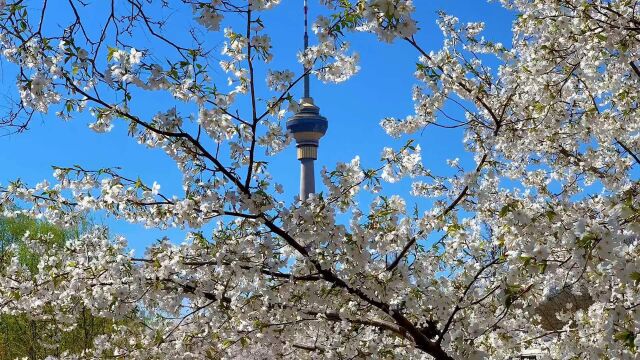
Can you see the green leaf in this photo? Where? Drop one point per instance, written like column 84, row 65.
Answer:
column 507, row 209
column 512, row 292
column 627, row 338
column 526, row 260
column 538, row 107
column 587, row 241
column 110, row 52
column 454, row 228
column 550, row 215
column 542, row 266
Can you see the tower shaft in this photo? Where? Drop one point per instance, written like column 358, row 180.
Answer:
column 307, row 178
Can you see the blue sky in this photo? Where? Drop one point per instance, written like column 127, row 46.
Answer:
column 354, row 109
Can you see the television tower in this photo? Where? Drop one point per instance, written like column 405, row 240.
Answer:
column 307, row 127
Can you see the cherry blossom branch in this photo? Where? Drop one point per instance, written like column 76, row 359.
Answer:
column 628, row 150
column 457, row 308
column 442, row 215
column 421, row 341
column 498, row 119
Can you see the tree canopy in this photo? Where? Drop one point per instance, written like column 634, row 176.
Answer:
column 535, row 246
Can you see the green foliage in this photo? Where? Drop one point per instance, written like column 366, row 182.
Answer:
column 627, row 338
column 24, row 337
column 587, row 241
column 12, row 231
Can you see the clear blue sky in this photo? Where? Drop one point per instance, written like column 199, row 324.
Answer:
column 354, row 110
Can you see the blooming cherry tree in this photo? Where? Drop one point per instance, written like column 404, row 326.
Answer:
column 535, row 246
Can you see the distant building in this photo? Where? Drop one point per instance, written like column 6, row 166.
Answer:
column 533, row 354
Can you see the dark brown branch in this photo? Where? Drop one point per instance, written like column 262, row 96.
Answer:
column 254, row 117
column 628, row 150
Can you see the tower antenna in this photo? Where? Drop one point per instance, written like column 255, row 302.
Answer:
column 306, row 46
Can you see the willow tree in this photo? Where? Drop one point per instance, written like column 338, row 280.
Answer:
column 550, row 207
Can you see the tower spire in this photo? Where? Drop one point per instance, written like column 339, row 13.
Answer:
column 306, row 46
column 307, row 127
